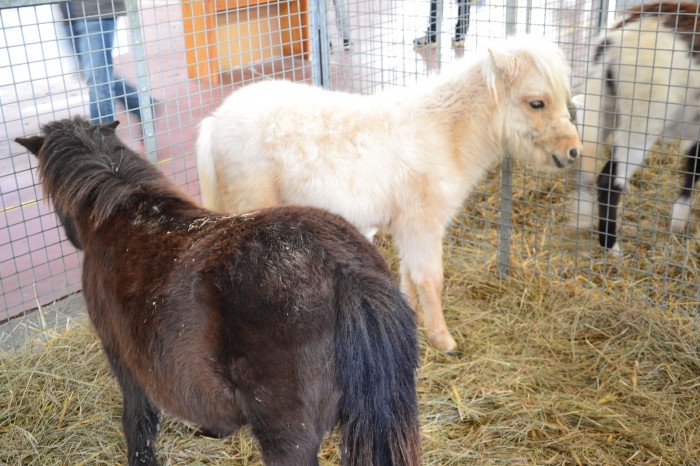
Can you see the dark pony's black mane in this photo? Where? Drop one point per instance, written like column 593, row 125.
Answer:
column 83, row 163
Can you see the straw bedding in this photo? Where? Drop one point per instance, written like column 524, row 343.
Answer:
column 576, row 358
column 657, row 267
column 549, row 373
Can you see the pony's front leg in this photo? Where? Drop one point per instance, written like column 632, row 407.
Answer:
column 421, row 274
column 408, row 288
column 430, row 295
column 581, row 209
column 609, row 193
column 625, row 161
column 682, row 207
column 139, row 417
column 595, row 119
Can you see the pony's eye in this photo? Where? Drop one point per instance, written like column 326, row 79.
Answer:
column 537, row 104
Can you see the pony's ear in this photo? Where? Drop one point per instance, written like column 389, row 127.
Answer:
column 32, row 143
column 505, row 65
column 111, row 125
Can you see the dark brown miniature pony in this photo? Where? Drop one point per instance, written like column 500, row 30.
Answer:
column 286, row 319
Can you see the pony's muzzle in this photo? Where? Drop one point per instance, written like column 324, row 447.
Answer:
column 570, row 155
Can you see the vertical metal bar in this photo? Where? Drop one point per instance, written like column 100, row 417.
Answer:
column 511, row 17
column 142, row 83
column 602, row 15
column 342, row 19
column 506, row 226
column 438, row 31
column 528, row 16
column 320, row 46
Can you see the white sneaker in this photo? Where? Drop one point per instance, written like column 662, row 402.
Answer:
column 425, row 41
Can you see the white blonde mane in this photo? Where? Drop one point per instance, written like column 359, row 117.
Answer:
column 546, row 56
column 522, row 51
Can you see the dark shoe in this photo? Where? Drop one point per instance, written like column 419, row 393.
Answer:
column 155, row 105
column 346, row 44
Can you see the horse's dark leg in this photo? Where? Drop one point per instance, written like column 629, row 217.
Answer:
column 681, row 209
column 139, row 417
column 609, row 194
column 204, row 432
column 288, row 444
column 290, row 423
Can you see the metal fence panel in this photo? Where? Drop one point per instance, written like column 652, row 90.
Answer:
column 189, row 55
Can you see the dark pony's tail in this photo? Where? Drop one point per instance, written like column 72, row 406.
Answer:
column 376, row 354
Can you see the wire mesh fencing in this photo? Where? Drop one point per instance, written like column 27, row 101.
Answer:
column 182, row 58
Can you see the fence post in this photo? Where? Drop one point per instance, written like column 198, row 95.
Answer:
column 528, row 16
column 320, row 46
column 506, row 226
column 145, row 102
column 440, row 9
column 601, row 20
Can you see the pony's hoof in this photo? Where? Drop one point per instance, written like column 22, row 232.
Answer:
column 444, row 342
column 614, row 251
column 678, row 226
column 204, row 432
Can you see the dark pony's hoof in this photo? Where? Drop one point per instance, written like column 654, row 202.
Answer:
column 202, row 432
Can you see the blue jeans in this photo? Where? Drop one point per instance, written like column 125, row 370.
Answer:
column 93, row 40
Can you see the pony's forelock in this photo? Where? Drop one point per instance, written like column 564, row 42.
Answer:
column 544, row 54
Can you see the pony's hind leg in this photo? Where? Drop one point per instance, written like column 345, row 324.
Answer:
column 273, row 455
column 294, row 399
column 139, row 417
column 287, row 439
column 681, row 209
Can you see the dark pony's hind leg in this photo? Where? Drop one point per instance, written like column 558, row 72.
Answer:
column 609, row 194
column 681, row 209
column 290, row 425
column 139, row 417
column 280, row 449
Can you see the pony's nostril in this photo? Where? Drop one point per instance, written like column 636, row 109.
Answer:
column 573, row 153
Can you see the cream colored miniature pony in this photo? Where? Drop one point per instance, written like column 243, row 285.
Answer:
column 401, row 161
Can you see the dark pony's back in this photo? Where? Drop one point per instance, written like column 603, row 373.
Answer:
column 286, row 319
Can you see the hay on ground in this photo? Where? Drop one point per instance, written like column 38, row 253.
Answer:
column 549, row 373
column 656, row 266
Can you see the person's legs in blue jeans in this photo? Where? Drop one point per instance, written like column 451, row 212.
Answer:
column 93, row 40
column 128, row 96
